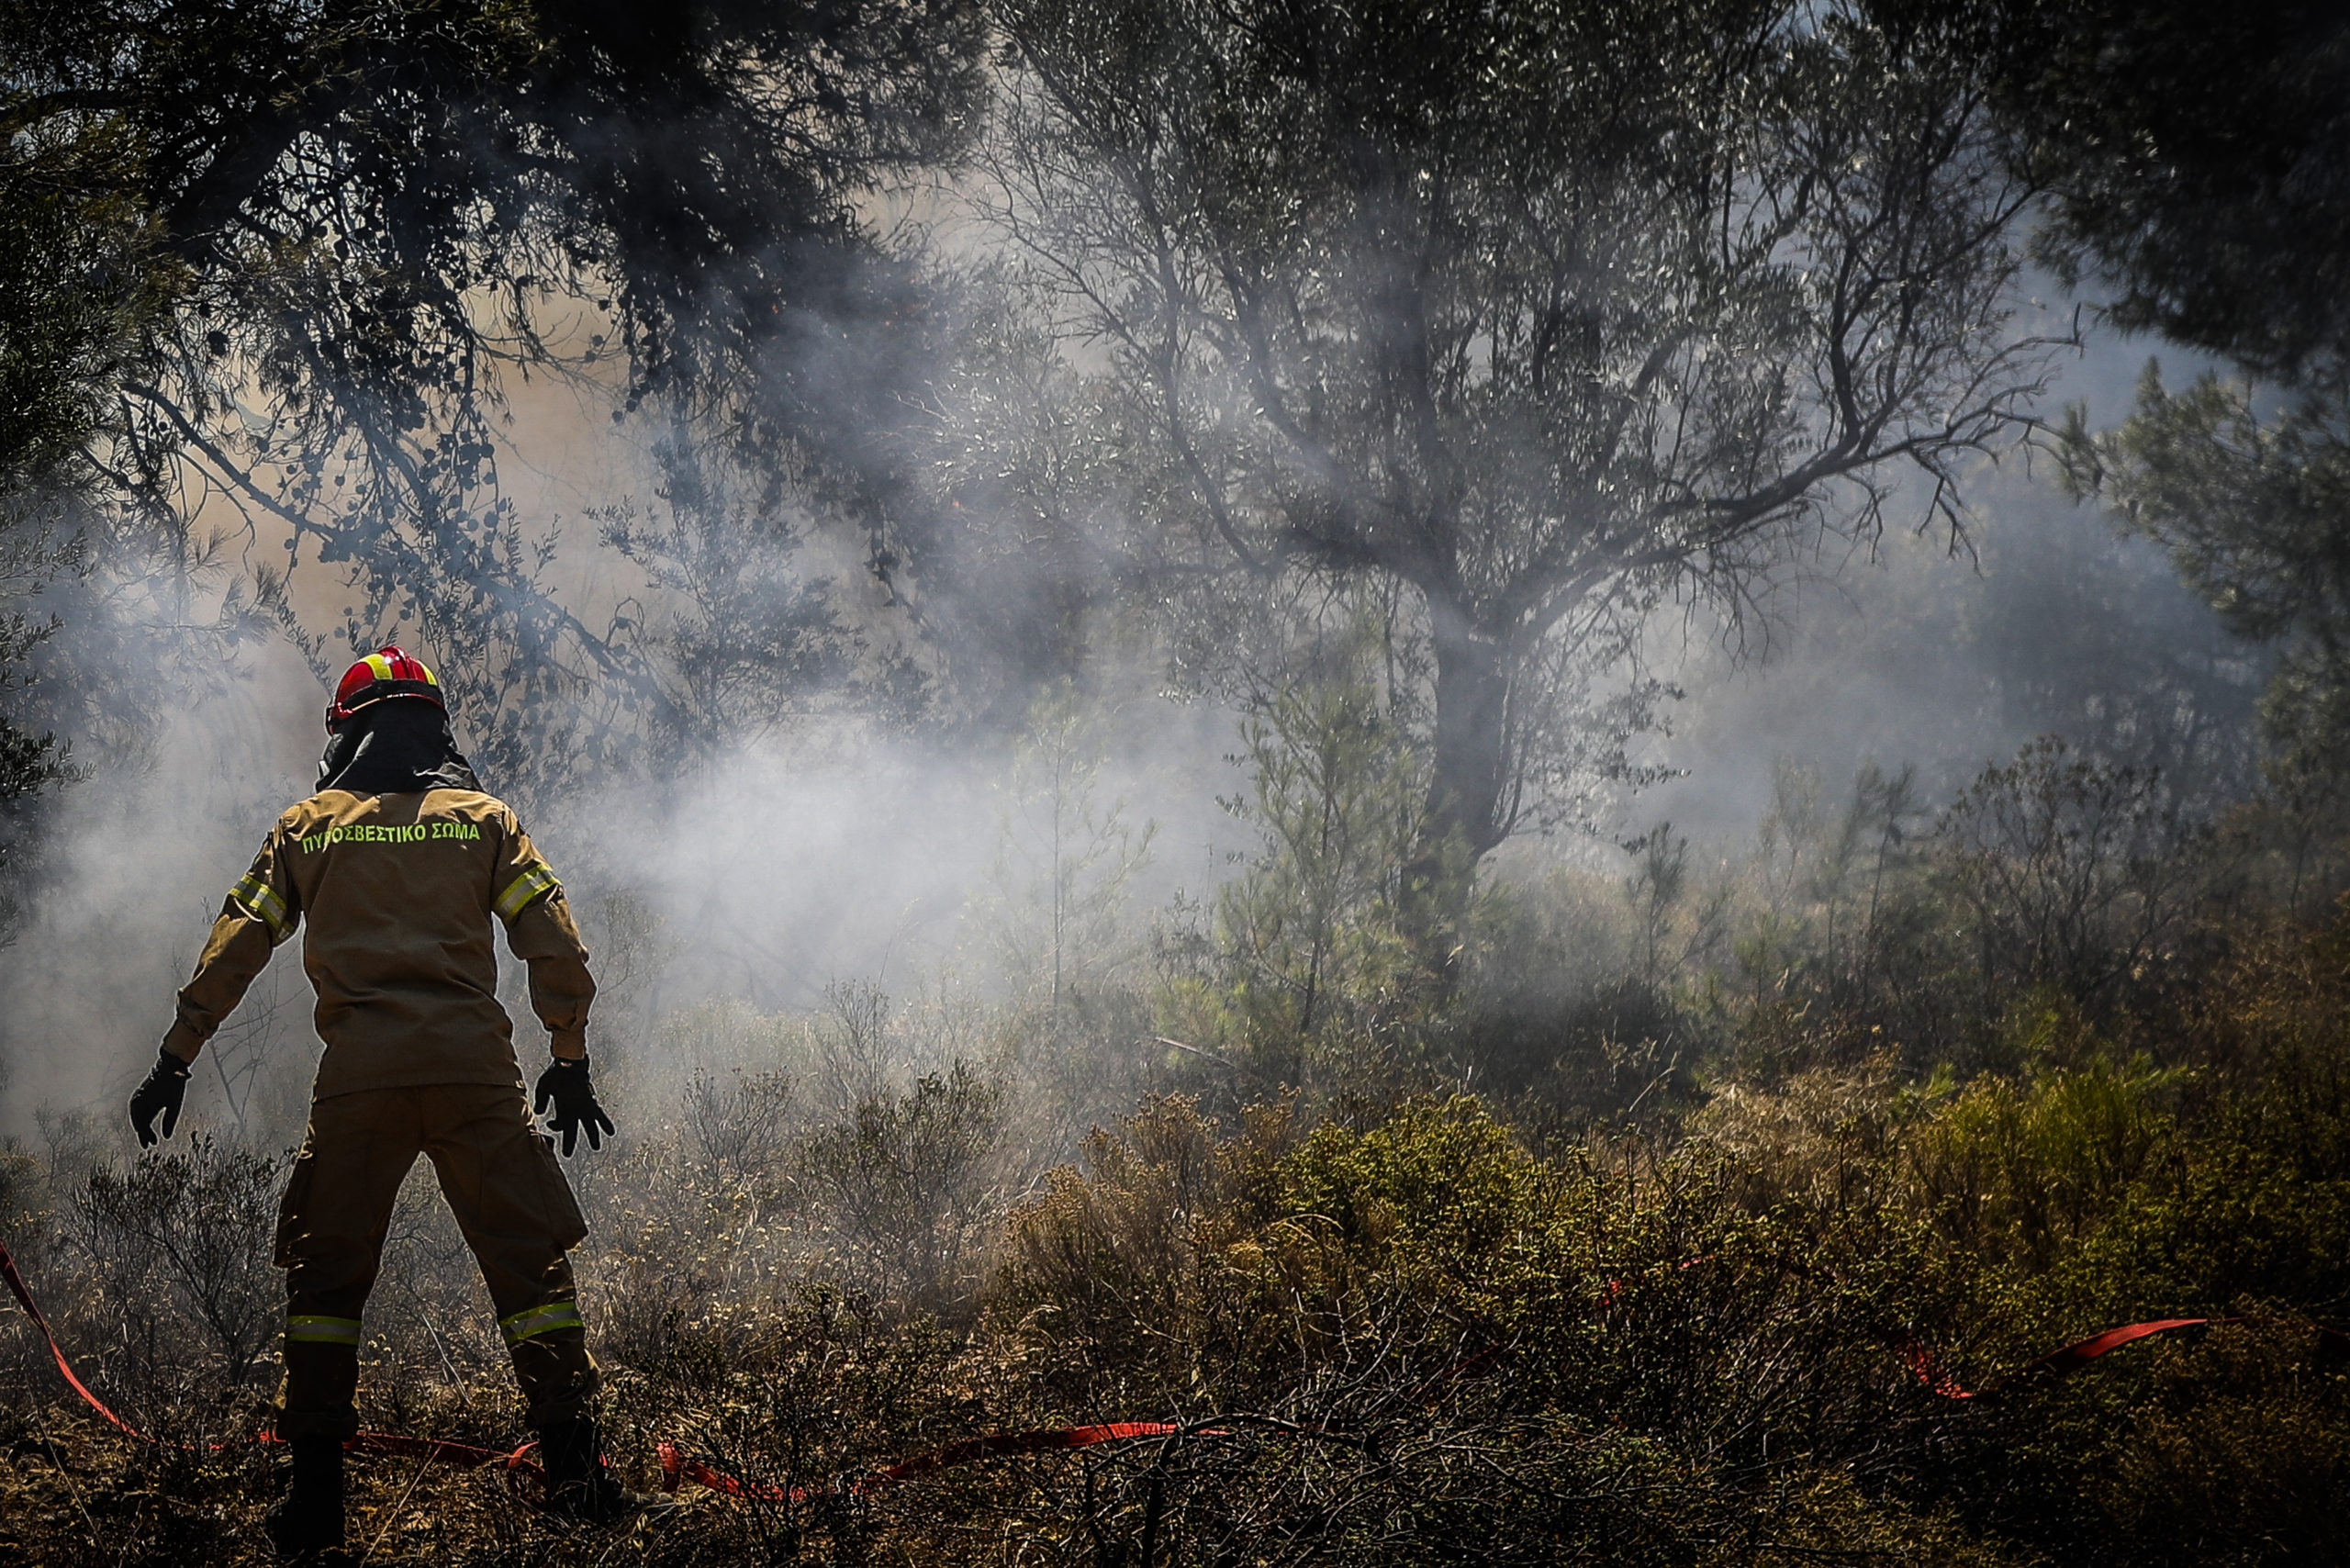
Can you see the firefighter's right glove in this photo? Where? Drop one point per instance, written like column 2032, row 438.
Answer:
column 166, row 1087
column 565, row 1085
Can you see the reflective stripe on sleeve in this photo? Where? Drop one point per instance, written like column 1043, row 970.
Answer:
column 310, row 1330
column 523, row 889
column 261, row 900
column 535, row 1320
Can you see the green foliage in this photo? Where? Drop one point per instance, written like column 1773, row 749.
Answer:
column 1437, row 1199
column 1467, row 335
column 2249, row 509
column 1706, row 1337
column 1066, row 860
column 905, row 1184
column 1306, row 964
column 2191, row 164
column 2025, row 1169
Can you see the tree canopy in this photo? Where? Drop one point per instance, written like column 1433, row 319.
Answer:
column 1534, row 314
column 2197, row 166
column 2200, row 171
column 357, row 224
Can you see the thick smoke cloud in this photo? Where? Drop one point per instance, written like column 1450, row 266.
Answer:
column 765, row 878
column 2048, row 624
column 846, row 853
column 132, row 874
column 1948, row 655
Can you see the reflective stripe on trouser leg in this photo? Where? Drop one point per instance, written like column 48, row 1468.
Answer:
column 549, row 1345
column 316, row 1399
column 533, row 1321
column 309, row 1328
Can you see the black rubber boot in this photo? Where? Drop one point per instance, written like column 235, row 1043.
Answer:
column 307, row 1523
column 579, row 1486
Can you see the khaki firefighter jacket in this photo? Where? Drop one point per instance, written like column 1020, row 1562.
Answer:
column 397, row 891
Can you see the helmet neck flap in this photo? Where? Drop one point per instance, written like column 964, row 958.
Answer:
column 389, row 747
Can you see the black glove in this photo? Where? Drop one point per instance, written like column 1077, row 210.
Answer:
column 566, row 1085
column 166, row 1087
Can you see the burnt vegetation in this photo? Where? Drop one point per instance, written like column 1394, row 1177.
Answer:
column 1472, row 1169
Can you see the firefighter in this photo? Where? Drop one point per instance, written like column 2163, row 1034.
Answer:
column 398, row 866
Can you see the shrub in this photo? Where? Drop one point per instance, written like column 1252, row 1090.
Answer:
column 904, row 1186
column 182, row 1238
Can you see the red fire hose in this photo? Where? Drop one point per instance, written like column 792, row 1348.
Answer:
column 677, row 1467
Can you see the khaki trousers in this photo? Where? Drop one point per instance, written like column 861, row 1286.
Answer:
column 516, row 1210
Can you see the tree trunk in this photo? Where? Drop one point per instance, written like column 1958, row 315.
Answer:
column 1466, row 784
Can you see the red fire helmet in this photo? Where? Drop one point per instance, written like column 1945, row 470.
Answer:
column 382, row 675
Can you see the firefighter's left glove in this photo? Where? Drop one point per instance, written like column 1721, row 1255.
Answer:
column 166, row 1087
column 567, row 1086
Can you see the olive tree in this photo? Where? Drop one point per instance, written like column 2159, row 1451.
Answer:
column 1525, row 316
